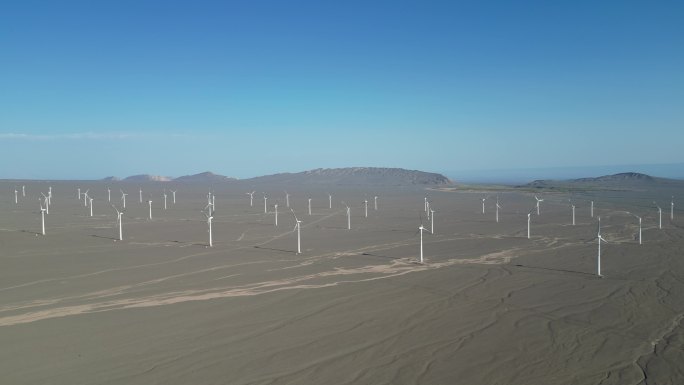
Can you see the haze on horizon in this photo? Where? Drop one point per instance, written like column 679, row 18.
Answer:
column 248, row 89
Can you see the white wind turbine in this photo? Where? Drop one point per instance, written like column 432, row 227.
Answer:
column 78, row 190
column 265, row 207
column 119, row 221
column 23, row 191
column 538, row 201
column 50, row 195
column 123, row 200
column 287, row 199
column 251, row 198
column 174, row 196
column 149, row 204
column 213, row 201
column 329, row 200
column 599, row 238
column 421, row 229
column 298, row 225
column 365, row 205
column 426, row 204
column 42, row 217
column 573, row 211
column 140, row 194
column 639, row 218
column 275, row 207
column 16, row 194
column 109, row 195
column 432, row 221
column 85, row 198
column 209, row 219
column 375, row 202
column 483, row 204
column 47, row 203
column 309, row 206
column 165, row 199
column 91, row 205
column 592, row 209
column 529, row 218
column 497, row 209
column 672, row 209
column 660, row 216
column 348, row 216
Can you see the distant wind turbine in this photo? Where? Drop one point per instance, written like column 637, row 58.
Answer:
column 123, row 200
column 275, row 207
column 672, row 209
column 47, row 203
column 497, row 209
column 599, row 238
column 16, row 194
column 174, row 196
column 50, row 194
column 23, row 191
column 209, row 219
column 85, row 198
column 483, row 204
column 375, row 202
column 164, row 199
column 309, row 206
column 42, row 218
column 298, row 225
column 109, row 195
column 140, row 194
column 432, row 221
column 119, row 221
column 639, row 218
column 592, row 209
column 79, row 193
column 251, row 198
column 287, row 199
column 265, row 208
column 365, row 204
column 348, row 216
column 573, row 212
column 538, row 201
column 90, row 199
column 421, row 229
column 660, row 216
column 329, row 200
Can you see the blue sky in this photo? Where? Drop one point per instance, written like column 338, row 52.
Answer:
column 257, row 87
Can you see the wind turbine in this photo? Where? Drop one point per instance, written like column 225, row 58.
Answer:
column 251, row 198
column 16, row 193
column 309, row 206
column 426, row 204
column 287, row 199
column 174, row 196
column 85, row 198
column 428, row 209
column 483, row 202
column 529, row 218
column 79, row 193
column 149, row 204
column 538, row 201
column 109, row 195
column 49, row 194
column 599, row 238
column 23, row 191
column 375, row 202
column 298, row 225
column 329, row 200
column 42, row 218
column 164, row 199
column 660, row 216
column 573, row 211
column 123, row 200
column 91, row 206
column 209, row 219
column 421, row 229
column 592, row 209
column 348, row 216
column 265, row 208
column 639, row 218
column 140, row 194
column 432, row 221
column 276, row 214
column 119, row 220
column 365, row 204
column 47, row 203
column 497, row 209
column 672, row 209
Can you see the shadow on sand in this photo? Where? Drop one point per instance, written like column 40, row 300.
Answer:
column 557, row 270
column 380, row 256
column 272, row 249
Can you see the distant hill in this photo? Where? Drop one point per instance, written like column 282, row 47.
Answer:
column 147, row 178
column 204, row 177
column 111, row 179
column 357, row 176
column 626, row 180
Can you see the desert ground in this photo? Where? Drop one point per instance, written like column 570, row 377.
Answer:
column 487, row 306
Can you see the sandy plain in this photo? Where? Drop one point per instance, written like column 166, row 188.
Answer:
column 489, row 306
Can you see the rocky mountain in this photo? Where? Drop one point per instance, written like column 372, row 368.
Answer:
column 147, row 178
column 626, row 180
column 111, row 179
column 357, row 176
column 204, row 177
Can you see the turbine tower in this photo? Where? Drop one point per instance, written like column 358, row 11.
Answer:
column 109, row 195
column 16, row 194
column 140, row 194
column 164, row 199
column 639, row 218
column 276, row 214
column 265, row 200
column 209, row 219
column 23, row 191
column 309, row 206
column 483, row 202
column 329, row 200
column 660, row 216
column 287, row 199
column 432, row 221
column 42, row 218
column 592, row 209
column 375, row 203
column 298, row 225
column 251, row 198
column 174, row 196
column 123, row 200
column 672, row 209
column 365, row 204
column 498, row 206
column 348, row 216
column 538, row 201
column 421, row 229
column 149, row 204
column 119, row 221
column 91, row 205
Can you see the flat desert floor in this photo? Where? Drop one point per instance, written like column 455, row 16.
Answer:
column 488, row 306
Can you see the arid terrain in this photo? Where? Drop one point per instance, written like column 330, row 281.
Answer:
column 488, row 306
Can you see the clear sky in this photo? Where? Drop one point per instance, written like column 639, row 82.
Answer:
column 90, row 89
